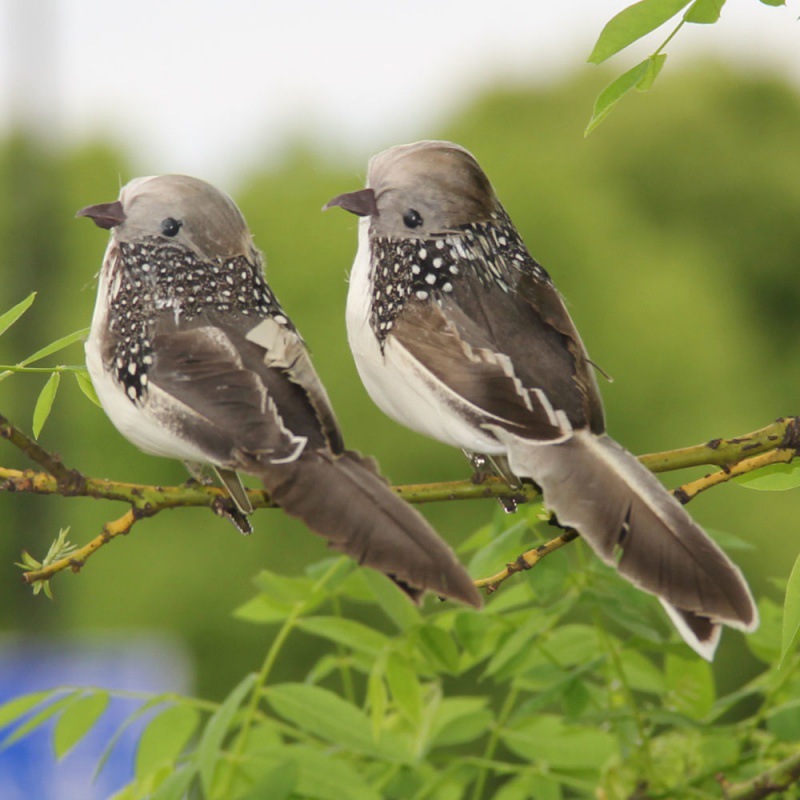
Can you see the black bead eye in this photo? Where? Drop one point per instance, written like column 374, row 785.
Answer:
column 412, row 218
column 170, row 226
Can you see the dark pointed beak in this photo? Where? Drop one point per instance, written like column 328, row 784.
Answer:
column 361, row 203
column 104, row 215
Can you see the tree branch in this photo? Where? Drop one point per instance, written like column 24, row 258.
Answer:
column 777, row 779
column 775, row 443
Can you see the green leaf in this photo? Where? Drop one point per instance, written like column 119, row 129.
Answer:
column 55, row 347
column 404, row 686
column 791, row 612
column 77, row 720
column 346, row 632
column 784, row 722
column 515, row 647
column 323, row 777
column 280, row 596
column 545, row 738
column 210, row 745
column 765, row 643
column 772, row 478
column 393, row 601
column 505, row 547
column 377, row 699
column 690, row 686
column 775, row 3
column 165, row 737
column 44, row 404
column 12, row 710
column 438, row 648
column 459, row 720
column 654, row 65
column 13, row 314
column 704, row 12
column 642, row 74
column 276, row 783
column 632, row 23
column 38, row 719
column 176, row 785
column 86, row 386
column 322, row 713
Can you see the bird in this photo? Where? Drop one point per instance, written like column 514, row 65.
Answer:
column 459, row 334
column 193, row 358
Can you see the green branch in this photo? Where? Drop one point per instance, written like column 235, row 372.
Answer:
column 778, row 442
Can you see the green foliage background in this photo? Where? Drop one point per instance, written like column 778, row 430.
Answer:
column 672, row 231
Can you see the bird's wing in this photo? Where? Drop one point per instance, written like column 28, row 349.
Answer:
column 530, row 324
column 515, row 357
column 215, row 387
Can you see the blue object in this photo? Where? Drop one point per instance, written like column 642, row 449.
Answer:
column 148, row 664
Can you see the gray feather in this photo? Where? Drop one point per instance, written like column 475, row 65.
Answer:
column 631, row 521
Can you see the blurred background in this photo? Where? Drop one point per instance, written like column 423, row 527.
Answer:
column 672, row 231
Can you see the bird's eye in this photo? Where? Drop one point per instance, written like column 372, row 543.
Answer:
column 170, row 226
column 412, row 218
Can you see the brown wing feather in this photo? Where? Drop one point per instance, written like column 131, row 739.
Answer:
column 480, row 375
column 232, row 400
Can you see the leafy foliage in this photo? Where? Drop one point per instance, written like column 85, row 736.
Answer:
column 632, row 24
column 568, row 680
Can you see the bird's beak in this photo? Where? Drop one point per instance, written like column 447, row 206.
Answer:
column 104, row 215
column 361, row 203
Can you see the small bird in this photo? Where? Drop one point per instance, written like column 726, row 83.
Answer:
column 193, row 358
column 458, row 333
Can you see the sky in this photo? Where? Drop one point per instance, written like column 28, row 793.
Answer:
column 205, row 87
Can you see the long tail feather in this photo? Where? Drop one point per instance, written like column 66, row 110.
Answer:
column 344, row 499
column 633, row 523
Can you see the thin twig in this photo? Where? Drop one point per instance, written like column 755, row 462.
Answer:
column 69, row 480
column 775, row 780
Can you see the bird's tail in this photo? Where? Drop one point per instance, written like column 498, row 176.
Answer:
column 634, row 524
column 344, row 498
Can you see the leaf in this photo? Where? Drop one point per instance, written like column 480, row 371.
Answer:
column 176, row 785
column 165, row 737
column 642, row 75
column 280, row 595
column 459, row 720
column 765, row 642
column 322, row 713
column 55, row 347
column 632, row 23
column 515, row 647
column 690, row 686
column 77, row 720
column 775, row 3
column 393, row 601
column 13, row 314
column 545, row 738
column 772, row 478
column 86, row 386
column 784, row 722
column 323, row 777
column 216, row 730
column 276, row 783
column 791, row 612
column 346, row 632
column 405, row 687
column 12, row 710
column 438, row 648
column 505, row 547
column 704, row 12
column 37, row 719
column 45, row 403
column 377, row 699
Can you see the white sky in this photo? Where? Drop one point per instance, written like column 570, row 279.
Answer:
column 205, row 87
